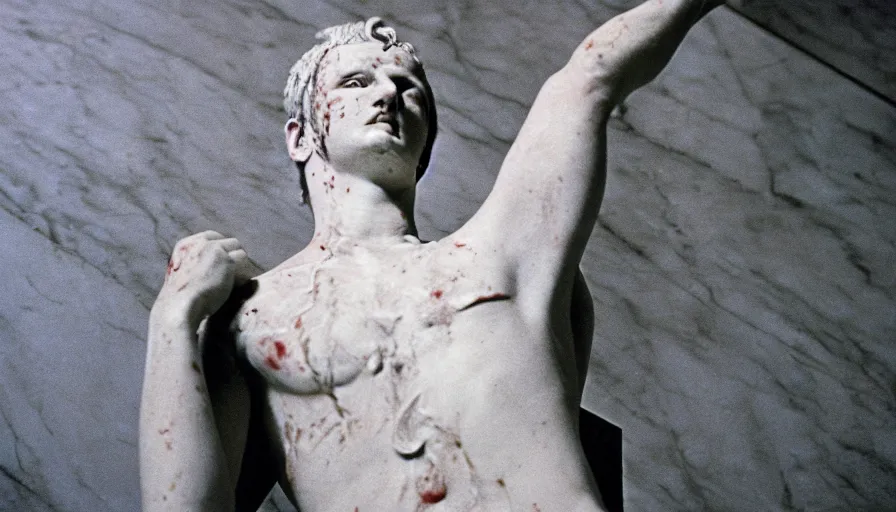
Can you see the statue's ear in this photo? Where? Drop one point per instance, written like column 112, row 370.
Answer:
column 297, row 143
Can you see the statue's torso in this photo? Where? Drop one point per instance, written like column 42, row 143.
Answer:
column 407, row 377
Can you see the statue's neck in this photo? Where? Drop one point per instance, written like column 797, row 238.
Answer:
column 347, row 206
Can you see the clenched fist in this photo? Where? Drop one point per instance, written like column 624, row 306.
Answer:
column 201, row 273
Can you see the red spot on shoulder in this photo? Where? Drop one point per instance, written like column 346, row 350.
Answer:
column 589, row 44
column 280, row 348
column 272, row 363
column 437, row 294
column 459, row 244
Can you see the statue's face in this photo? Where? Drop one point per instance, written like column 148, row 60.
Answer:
column 372, row 103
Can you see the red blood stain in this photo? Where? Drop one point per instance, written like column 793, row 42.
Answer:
column 280, row 348
column 433, row 495
column 347, row 190
column 459, row 244
column 589, row 44
column 494, row 296
column 437, row 294
column 298, row 323
column 272, row 363
column 323, row 248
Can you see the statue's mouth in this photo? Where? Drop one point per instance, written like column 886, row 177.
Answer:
column 386, row 118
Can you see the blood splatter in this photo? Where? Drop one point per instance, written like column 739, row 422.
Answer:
column 487, row 298
column 589, row 44
column 431, row 486
column 298, row 323
column 459, row 244
column 280, row 348
column 433, row 496
column 272, row 363
column 437, row 294
column 322, row 247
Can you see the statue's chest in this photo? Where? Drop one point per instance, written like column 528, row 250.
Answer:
column 322, row 326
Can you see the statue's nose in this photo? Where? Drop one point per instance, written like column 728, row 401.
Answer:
column 387, row 94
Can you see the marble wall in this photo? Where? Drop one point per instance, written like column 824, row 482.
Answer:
column 742, row 268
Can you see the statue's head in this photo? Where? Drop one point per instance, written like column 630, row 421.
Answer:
column 328, row 66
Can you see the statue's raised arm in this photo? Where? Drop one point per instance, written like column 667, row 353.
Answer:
column 546, row 198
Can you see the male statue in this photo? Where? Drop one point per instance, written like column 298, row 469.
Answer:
column 373, row 372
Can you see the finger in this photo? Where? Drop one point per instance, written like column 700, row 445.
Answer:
column 238, row 256
column 230, row 244
column 209, row 235
column 243, row 269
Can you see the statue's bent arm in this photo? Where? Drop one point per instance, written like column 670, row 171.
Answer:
column 545, row 201
column 186, row 461
column 183, row 461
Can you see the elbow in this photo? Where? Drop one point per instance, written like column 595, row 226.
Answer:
column 592, row 83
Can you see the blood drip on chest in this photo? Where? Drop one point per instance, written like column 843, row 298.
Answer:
column 431, row 486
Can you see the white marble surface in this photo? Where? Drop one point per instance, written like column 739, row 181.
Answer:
column 742, row 270
column 855, row 37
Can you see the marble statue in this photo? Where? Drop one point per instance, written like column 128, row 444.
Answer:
column 372, row 371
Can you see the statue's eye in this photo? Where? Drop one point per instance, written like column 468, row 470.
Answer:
column 354, row 82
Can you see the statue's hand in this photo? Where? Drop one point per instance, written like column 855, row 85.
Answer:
column 201, row 273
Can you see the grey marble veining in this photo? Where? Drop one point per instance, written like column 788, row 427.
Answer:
column 742, row 268
column 856, row 37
